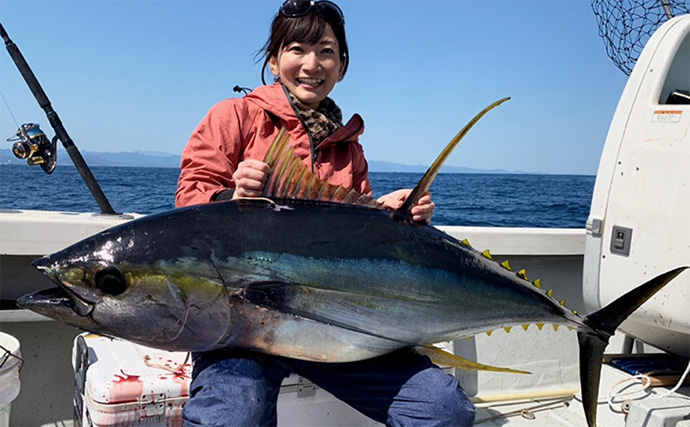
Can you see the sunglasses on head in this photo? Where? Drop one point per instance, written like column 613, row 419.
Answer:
column 328, row 10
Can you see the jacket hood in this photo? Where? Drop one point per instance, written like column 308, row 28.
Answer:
column 275, row 101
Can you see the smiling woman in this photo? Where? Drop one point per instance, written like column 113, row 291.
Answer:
column 307, row 54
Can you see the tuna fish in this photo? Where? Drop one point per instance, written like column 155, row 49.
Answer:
column 313, row 272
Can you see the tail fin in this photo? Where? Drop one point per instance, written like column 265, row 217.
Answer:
column 403, row 213
column 603, row 324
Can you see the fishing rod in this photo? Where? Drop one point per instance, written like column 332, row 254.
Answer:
column 30, row 133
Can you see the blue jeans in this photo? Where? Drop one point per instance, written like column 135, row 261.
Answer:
column 240, row 388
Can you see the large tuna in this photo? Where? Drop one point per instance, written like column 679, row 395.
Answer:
column 310, row 279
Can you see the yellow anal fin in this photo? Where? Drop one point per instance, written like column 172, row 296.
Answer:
column 444, row 358
column 291, row 179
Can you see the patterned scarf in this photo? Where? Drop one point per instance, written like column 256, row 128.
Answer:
column 323, row 121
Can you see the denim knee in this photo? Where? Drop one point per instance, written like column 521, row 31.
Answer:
column 233, row 390
column 432, row 398
column 458, row 408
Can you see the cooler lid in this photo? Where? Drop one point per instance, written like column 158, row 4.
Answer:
column 120, row 371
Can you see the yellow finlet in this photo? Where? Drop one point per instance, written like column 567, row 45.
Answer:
column 522, row 274
column 444, row 358
column 562, row 303
column 525, row 326
column 508, row 328
column 537, row 283
column 489, row 333
column 505, row 264
column 540, row 326
column 555, row 327
column 466, row 243
column 550, row 292
column 486, row 254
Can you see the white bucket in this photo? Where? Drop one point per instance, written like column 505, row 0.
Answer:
column 10, row 364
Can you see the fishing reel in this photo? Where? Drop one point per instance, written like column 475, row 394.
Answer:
column 32, row 144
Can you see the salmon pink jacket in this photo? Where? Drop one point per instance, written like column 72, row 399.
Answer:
column 244, row 128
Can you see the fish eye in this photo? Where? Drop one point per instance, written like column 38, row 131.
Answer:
column 110, row 280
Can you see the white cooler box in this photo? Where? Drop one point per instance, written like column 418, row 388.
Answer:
column 121, row 383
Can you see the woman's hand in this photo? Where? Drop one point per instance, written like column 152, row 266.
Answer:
column 422, row 211
column 250, row 178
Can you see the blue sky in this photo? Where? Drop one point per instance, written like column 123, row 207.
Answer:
column 139, row 75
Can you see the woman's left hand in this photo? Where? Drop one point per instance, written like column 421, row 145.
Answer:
column 421, row 212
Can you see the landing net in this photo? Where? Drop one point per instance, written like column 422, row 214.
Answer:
column 626, row 25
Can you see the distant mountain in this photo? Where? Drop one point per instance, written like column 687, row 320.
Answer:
column 154, row 159
column 379, row 166
column 150, row 159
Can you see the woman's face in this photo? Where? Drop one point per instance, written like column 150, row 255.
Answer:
column 309, row 71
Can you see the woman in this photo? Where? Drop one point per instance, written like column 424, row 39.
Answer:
column 307, row 54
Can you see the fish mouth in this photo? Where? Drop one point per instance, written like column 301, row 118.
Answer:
column 58, row 304
column 81, row 299
column 47, row 302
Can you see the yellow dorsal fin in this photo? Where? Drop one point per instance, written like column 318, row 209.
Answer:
column 403, row 213
column 444, row 358
column 537, row 283
column 486, row 254
column 505, row 264
column 291, row 179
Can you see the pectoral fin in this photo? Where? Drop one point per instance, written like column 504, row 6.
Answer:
column 444, row 358
column 333, row 307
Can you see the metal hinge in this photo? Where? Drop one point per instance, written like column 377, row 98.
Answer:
column 152, row 405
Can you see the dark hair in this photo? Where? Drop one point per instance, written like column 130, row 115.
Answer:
column 303, row 29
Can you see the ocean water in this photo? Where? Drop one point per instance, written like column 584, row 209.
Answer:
column 502, row 200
